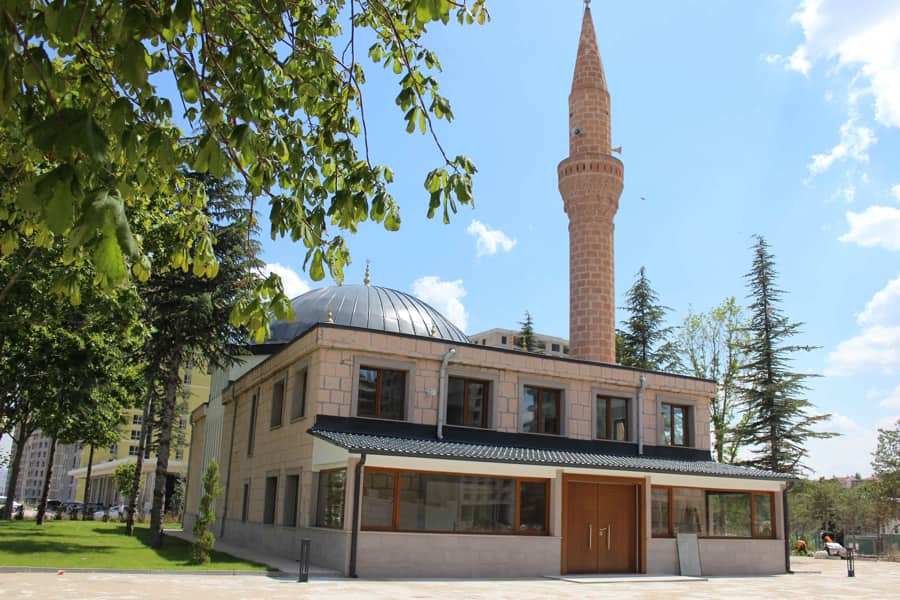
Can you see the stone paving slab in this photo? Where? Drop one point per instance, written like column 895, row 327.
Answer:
column 874, row 580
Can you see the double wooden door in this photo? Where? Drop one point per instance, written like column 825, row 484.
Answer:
column 601, row 527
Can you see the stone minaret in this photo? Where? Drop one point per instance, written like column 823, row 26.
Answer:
column 590, row 182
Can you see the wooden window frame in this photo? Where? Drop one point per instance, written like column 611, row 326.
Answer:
column 291, row 518
column 378, row 381
column 608, row 417
column 273, row 423
column 251, row 431
column 270, row 510
column 688, row 417
column 301, row 390
column 395, row 525
column 752, row 493
column 485, row 410
column 539, row 408
column 343, row 501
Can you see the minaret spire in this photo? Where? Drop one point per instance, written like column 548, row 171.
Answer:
column 590, row 182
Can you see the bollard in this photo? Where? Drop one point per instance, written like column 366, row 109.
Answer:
column 303, row 576
column 851, row 572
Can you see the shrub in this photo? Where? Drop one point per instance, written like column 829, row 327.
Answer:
column 203, row 537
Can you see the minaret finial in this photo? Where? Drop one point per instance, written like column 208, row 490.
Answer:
column 587, row 4
column 366, row 278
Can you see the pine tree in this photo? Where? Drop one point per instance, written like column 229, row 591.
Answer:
column 203, row 537
column 644, row 338
column 778, row 420
column 526, row 340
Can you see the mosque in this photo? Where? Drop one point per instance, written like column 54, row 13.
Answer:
column 374, row 428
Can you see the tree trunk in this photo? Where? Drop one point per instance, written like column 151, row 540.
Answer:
column 139, row 464
column 42, row 507
column 162, row 451
column 87, row 484
column 22, row 434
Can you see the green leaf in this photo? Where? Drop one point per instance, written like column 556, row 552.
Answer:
column 316, row 270
column 133, row 63
column 188, row 84
column 61, row 207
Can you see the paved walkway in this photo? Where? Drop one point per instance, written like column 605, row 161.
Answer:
column 813, row 579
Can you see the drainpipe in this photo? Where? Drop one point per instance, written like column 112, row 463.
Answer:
column 787, row 526
column 354, row 528
column 640, row 414
column 442, row 392
column 230, row 460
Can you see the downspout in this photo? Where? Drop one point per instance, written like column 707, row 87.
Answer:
column 787, row 526
column 354, row 527
column 230, row 460
column 442, row 392
column 640, row 414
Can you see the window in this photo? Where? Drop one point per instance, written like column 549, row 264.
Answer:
column 554, row 347
column 440, row 502
column 277, row 403
column 711, row 513
column 612, row 418
column 269, row 504
column 114, row 449
column 330, row 498
column 467, row 402
column 291, row 497
column 298, row 401
column 565, row 349
column 503, row 340
column 252, row 431
column 540, row 410
column 676, row 424
column 136, row 419
column 136, row 434
column 245, row 503
column 382, row 393
column 187, row 377
column 179, row 454
column 133, row 450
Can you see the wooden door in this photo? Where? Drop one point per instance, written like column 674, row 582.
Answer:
column 601, row 528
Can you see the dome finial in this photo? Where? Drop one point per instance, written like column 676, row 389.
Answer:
column 433, row 328
column 330, row 314
column 366, row 278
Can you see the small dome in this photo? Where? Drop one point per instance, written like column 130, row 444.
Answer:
column 370, row 307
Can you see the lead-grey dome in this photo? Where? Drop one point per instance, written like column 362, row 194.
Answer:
column 370, row 307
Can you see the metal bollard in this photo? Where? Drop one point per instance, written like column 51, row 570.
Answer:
column 303, row 576
column 851, row 571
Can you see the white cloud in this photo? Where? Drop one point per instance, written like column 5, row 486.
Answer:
column 876, row 226
column 892, row 400
column 854, row 143
column 887, row 422
column 884, row 307
column 487, row 240
column 294, row 284
column 445, row 296
column 863, row 37
column 895, row 192
column 842, row 455
column 877, row 347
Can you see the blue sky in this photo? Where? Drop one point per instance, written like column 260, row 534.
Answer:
column 736, row 118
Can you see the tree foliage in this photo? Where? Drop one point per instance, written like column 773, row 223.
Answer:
column 644, row 340
column 124, row 475
column 779, row 419
column 711, row 346
column 886, row 465
column 105, row 105
column 526, row 339
column 203, row 537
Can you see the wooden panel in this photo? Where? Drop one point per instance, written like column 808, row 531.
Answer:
column 581, row 528
column 617, row 530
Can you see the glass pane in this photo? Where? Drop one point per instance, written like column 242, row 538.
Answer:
column 365, row 397
column 659, row 508
column 729, row 514
column 763, row 506
column 378, row 499
column 619, row 414
column 689, row 511
column 437, row 502
column 533, row 506
column 528, row 410
column 393, row 392
column 477, row 403
column 330, row 499
column 678, row 418
column 667, row 422
column 602, row 430
column 456, row 389
column 550, row 411
column 298, row 405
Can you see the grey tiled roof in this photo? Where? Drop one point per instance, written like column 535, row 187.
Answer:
column 432, row 448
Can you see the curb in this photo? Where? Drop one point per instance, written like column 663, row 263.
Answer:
column 230, row 572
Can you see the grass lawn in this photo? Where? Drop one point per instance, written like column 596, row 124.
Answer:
column 99, row 545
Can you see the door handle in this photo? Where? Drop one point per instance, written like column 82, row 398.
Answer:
column 590, row 536
column 608, row 536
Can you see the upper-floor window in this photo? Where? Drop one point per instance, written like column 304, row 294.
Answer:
column 503, row 340
column 382, row 393
column 554, row 347
column 676, row 424
column 612, row 418
column 251, row 433
column 188, row 376
column 467, row 402
column 540, row 410
column 298, row 401
column 136, row 419
column 135, row 434
column 277, row 404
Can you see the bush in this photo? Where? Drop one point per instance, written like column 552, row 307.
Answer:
column 203, row 537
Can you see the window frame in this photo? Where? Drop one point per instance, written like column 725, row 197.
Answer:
column 395, row 526
column 487, row 396
column 290, row 512
column 270, row 503
column 378, row 391
column 273, row 423
column 343, row 522
column 301, row 391
column 688, row 420
column 629, row 410
column 251, row 424
column 539, row 408
column 752, row 493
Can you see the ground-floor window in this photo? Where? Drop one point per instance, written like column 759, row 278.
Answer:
column 440, row 502
column 712, row 513
column 330, row 498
